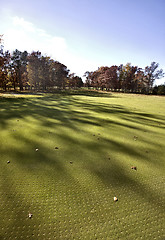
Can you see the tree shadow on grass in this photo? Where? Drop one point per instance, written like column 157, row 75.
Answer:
column 61, row 110
column 122, row 112
column 90, row 93
column 53, row 111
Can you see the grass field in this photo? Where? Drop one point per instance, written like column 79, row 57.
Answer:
column 70, row 155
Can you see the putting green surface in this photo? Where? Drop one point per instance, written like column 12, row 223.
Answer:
column 64, row 157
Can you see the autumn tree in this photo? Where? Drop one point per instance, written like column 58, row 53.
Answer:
column 101, row 77
column 111, row 78
column 74, row 81
column 139, row 81
column 20, row 69
column 33, row 69
column 45, row 72
column 104, row 77
column 60, row 75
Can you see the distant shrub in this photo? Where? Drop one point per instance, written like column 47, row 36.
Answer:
column 159, row 90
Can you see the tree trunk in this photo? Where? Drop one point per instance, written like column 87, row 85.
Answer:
column 14, row 86
column 20, row 80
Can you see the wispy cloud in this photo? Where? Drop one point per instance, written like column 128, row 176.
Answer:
column 27, row 26
column 24, row 35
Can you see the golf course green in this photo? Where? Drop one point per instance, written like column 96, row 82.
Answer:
column 65, row 156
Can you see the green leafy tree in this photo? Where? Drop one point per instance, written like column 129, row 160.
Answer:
column 88, row 82
column 4, row 69
column 19, row 63
column 4, row 66
column 127, row 77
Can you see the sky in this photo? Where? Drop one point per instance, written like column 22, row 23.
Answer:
column 87, row 34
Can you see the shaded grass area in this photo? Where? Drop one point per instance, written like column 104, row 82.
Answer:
column 87, row 143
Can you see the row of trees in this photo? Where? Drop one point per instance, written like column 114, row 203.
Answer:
column 25, row 70
column 34, row 71
column 126, row 78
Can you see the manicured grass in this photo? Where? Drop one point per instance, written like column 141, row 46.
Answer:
column 87, row 144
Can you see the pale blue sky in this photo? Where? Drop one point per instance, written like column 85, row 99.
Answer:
column 87, row 34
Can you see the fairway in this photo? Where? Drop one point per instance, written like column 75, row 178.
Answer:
column 64, row 157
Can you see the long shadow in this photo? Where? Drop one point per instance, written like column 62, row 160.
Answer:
column 90, row 93
column 83, row 92
column 119, row 110
column 50, row 108
column 53, row 111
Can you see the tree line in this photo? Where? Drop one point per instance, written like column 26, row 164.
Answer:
column 25, row 70
column 34, row 71
column 125, row 78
